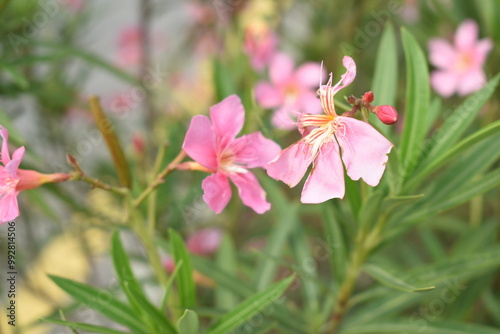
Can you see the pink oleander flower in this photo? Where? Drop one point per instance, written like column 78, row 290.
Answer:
column 13, row 180
column 459, row 66
column 129, row 47
column 211, row 143
column 205, row 241
column 291, row 92
column 260, row 45
column 364, row 150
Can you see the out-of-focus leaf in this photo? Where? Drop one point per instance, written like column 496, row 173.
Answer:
column 390, row 280
column 188, row 323
column 133, row 289
column 223, row 80
column 185, row 282
column 291, row 323
column 71, row 51
column 14, row 135
column 421, row 325
column 15, row 75
column 385, row 78
column 106, row 128
column 457, row 123
column 286, row 215
column 102, row 301
column 85, row 327
column 461, row 147
column 251, row 306
column 226, row 260
column 336, row 243
column 417, row 103
column 307, row 265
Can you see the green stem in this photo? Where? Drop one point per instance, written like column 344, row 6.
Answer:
column 78, row 176
column 159, row 178
column 365, row 243
column 148, row 241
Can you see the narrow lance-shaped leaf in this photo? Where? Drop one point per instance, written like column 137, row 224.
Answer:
column 154, row 316
column 248, row 308
column 390, row 280
column 417, row 103
column 184, row 279
column 385, row 78
column 85, row 327
column 101, row 301
column 115, row 149
column 188, row 323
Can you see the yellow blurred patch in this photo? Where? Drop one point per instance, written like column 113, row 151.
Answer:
column 37, row 296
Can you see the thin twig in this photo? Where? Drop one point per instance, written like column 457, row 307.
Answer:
column 160, row 178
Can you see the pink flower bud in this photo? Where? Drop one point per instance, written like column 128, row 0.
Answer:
column 368, row 97
column 387, row 114
column 30, row 179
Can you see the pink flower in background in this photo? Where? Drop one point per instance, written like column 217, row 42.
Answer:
column 211, row 142
column 291, row 92
column 260, row 45
column 75, row 5
column 205, row 241
column 459, row 66
column 364, row 150
column 129, row 46
column 14, row 180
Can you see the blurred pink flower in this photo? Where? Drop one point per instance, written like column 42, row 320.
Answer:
column 260, row 46
column 364, row 150
column 129, row 46
column 290, row 91
column 459, row 66
column 14, row 180
column 204, row 242
column 211, row 142
column 75, row 5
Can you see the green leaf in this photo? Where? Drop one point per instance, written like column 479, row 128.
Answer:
column 250, row 307
column 90, row 58
column 417, row 103
column 457, row 123
column 223, row 80
column 391, row 280
column 421, row 325
column 85, row 327
column 385, row 78
column 306, row 265
column 184, row 279
column 390, row 203
column 292, row 324
column 133, row 289
column 336, row 243
column 286, row 215
column 188, row 323
column 102, row 301
column 460, row 148
column 16, row 76
column 122, row 266
column 227, row 261
column 115, row 149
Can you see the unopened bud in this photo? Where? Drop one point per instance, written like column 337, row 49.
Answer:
column 368, row 97
column 351, row 99
column 387, row 114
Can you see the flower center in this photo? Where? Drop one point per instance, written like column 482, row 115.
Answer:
column 7, row 186
column 227, row 163
column 326, row 125
column 291, row 91
column 464, row 62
